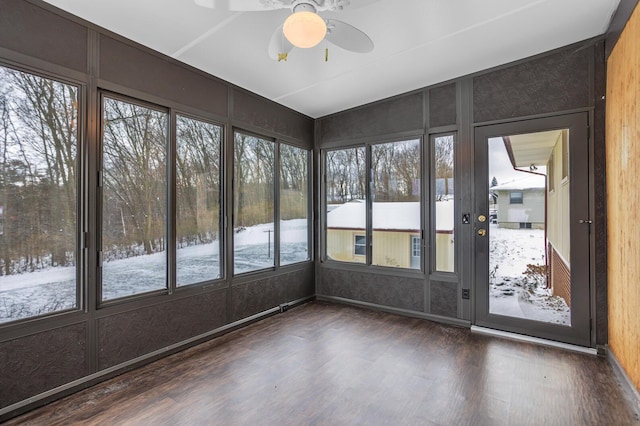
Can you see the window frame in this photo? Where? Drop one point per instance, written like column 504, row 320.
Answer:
column 432, row 206
column 169, row 193
column 80, row 237
column 309, row 195
column 369, row 192
column 173, row 193
column 277, row 142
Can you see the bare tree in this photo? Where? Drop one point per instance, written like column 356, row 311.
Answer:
column 134, row 168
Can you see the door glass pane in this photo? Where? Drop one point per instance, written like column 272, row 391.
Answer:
column 346, row 205
column 396, row 203
column 134, row 199
column 529, row 259
column 253, row 203
column 38, row 181
column 444, row 150
column 294, row 205
column 197, row 201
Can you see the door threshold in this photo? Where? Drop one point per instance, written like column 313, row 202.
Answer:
column 530, row 339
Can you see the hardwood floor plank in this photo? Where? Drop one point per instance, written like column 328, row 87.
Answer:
column 331, row 364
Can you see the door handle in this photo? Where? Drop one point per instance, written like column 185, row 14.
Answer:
column 482, row 232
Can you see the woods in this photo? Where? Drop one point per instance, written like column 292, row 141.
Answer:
column 38, row 172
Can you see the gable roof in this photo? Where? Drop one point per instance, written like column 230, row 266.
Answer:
column 395, row 216
column 528, row 182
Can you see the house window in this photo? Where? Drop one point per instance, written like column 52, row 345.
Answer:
column 525, row 225
column 416, row 247
column 198, row 172
column 134, row 198
column 443, row 207
column 359, row 245
column 39, row 178
column 515, row 197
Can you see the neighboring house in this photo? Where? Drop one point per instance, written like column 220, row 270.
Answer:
column 396, row 234
column 521, row 203
column 550, row 149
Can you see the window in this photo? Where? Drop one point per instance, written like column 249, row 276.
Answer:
column 197, row 201
column 134, row 198
column 345, row 188
column 389, row 211
column 38, row 195
column 259, row 242
column 516, row 197
column 444, row 204
column 294, row 205
column 415, row 247
column 253, row 209
column 359, row 245
column 396, row 175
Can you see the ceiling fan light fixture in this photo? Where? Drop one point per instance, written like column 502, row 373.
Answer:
column 304, row 29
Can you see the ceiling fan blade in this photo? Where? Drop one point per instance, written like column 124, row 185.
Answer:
column 348, row 37
column 279, row 45
column 258, row 5
column 356, row 4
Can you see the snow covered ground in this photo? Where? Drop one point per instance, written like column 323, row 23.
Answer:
column 53, row 290
column 513, row 293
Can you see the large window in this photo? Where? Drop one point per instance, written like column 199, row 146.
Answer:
column 134, row 198
column 253, row 207
column 294, row 205
column 197, row 201
column 38, row 195
column 393, row 200
column 444, row 203
column 259, row 241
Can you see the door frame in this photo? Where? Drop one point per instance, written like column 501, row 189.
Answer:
column 579, row 333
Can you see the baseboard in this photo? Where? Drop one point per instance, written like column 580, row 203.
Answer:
column 397, row 311
column 536, row 340
column 51, row 395
column 623, row 376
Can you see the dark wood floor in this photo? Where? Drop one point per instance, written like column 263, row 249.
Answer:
column 331, row 364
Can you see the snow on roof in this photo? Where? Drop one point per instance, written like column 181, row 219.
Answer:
column 529, row 182
column 396, row 216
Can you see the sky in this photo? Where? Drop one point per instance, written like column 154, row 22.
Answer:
column 499, row 164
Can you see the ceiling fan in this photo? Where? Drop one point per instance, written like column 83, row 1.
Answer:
column 304, row 28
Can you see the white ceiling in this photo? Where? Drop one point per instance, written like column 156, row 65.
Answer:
column 417, row 42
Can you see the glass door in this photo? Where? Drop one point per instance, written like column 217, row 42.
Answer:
column 532, row 228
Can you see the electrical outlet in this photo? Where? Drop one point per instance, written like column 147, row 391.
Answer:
column 466, row 293
column 284, row 307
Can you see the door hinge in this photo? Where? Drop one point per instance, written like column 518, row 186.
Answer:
column 100, row 259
